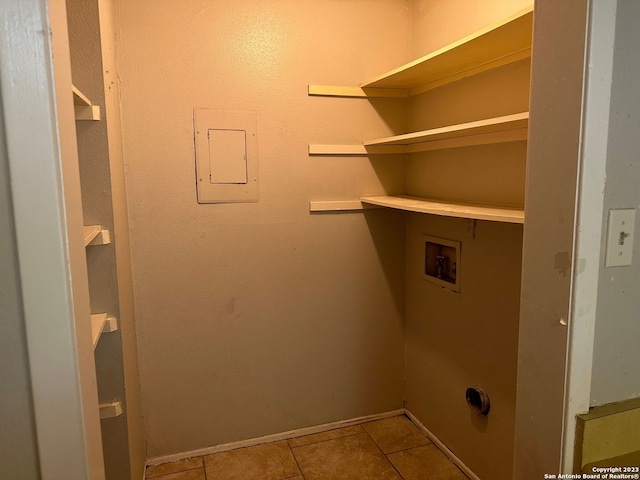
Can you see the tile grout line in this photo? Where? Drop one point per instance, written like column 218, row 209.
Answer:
column 383, row 454
column 327, row 440
column 295, row 459
column 411, row 448
column 171, row 473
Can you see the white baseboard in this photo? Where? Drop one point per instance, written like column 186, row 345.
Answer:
column 317, row 429
column 443, row 448
column 274, row 438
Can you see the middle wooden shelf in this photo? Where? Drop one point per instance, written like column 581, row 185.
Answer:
column 507, row 128
column 448, row 209
column 101, row 323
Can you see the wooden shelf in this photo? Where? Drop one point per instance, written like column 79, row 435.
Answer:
column 98, row 321
column 508, row 128
column 101, row 323
column 337, row 206
column 459, row 210
column 499, row 44
column 110, row 410
column 79, row 98
column 518, row 121
column 90, row 232
column 95, row 235
column 84, row 109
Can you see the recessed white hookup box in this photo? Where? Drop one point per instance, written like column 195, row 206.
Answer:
column 442, row 262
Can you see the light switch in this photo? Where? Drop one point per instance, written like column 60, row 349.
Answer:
column 620, row 237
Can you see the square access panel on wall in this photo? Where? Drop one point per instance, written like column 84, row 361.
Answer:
column 226, row 146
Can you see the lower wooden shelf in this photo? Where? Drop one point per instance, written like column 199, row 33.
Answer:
column 447, row 209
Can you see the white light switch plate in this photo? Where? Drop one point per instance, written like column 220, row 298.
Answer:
column 620, row 237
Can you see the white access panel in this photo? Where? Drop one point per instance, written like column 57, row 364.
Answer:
column 228, row 156
column 226, row 148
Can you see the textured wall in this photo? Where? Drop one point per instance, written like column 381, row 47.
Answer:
column 616, row 362
column 457, row 340
column 259, row 318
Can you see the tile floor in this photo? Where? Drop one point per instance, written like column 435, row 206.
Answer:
column 389, row 449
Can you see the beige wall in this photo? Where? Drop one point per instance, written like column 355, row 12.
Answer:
column 616, row 362
column 457, row 340
column 436, row 23
column 259, row 318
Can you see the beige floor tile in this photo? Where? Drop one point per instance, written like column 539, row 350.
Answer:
column 425, row 463
column 272, row 461
column 395, row 434
column 172, row 467
column 321, row 437
column 355, row 457
column 195, row 474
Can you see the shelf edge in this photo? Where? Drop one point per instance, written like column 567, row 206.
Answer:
column 356, row 92
column 110, row 410
column 470, row 72
column 103, row 237
column 492, row 138
column 98, row 321
column 87, row 112
column 514, row 122
column 335, row 206
column 450, row 48
column 448, row 209
column 347, row 150
column 80, row 98
column 90, row 232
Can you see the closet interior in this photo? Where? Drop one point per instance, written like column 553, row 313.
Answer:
column 377, row 270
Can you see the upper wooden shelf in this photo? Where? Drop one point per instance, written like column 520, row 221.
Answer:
column 84, row 109
column 494, row 46
column 448, row 209
column 499, row 44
